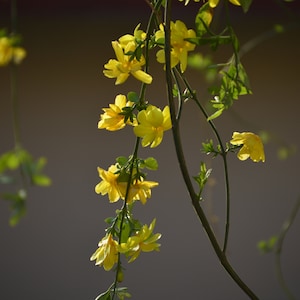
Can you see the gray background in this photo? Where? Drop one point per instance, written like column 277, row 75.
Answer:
column 61, row 93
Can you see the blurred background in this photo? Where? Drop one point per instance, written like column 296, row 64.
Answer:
column 61, row 92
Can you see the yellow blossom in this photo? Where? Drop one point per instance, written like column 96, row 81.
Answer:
column 139, row 190
column 112, row 119
column 109, row 183
column 116, row 189
column 180, row 46
column 9, row 53
column 214, row 3
column 137, row 37
column 144, row 240
column 107, row 253
column 252, row 146
column 123, row 66
column 152, row 124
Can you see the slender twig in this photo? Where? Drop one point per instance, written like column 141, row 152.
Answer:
column 224, row 157
column 181, row 159
column 278, row 250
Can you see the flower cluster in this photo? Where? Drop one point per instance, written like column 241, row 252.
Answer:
column 129, row 60
column 10, row 52
column 114, row 183
column 126, row 179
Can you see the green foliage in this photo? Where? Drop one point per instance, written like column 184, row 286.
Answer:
column 121, row 292
column 246, row 4
column 18, row 167
column 267, row 246
column 202, row 178
column 203, row 19
column 17, row 205
column 234, row 83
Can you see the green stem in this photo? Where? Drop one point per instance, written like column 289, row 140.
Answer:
column 124, row 212
column 285, row 228
column 224, row 158
column 183, row 167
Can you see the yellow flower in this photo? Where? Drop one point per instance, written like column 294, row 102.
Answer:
column 112, row 120
column 138, row 36
column 180, row 47
column 109, row 183
column 214, row 3
column 107, row 253
column 10, row 53
column 122, row 67
column 144, row 240
column 116, row 189
column 152, row 124
column 252, row 146
column 139, row 190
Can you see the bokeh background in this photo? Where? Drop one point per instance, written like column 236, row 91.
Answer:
column 61, row 92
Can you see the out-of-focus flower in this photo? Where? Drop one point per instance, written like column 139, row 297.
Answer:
column 152, row 124
column 109, row 183
column 112, row 119
column 214, row 3
column 107, row 253
column 144, row 240
column 252, row 146
column 180, row 46
column 9, row 53
column 123, row 66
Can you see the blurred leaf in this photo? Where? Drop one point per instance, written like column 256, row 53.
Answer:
column 267, row 246
column 245, row 4
column 41, row 180
column 17, row 206
column 203, row 19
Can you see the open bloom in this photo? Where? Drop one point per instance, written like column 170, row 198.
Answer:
column 107, row 253
column 152, row 124
column 180, row 46
column 144, row 240
column 112, row 119
column 123, row 66
column 109, row 183
column 139, row 190
column 214, row 3
column 139, row 36
column 9, row 53
column 116, row 189
column 252, row 146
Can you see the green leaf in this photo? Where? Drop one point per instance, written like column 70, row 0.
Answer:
column 151, row 163
column 122, row 160
column 41, row 180
column 203, row 19
column 133, row 97
column 267, row 246
column 17, row 206
column 245, row 5
column 215, row 114
column 104, row 296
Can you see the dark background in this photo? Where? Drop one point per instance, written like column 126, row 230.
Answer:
column 61, row 93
